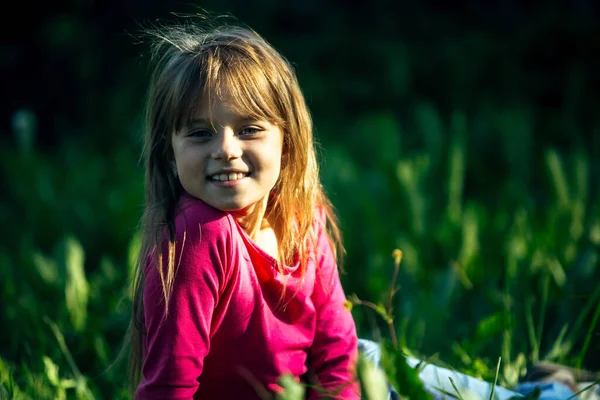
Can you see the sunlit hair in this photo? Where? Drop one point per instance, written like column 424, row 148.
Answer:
column 192, row 64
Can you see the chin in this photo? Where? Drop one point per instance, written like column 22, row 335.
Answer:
column 230, row 207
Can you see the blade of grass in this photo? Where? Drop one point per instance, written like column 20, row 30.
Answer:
column 455, row 388
column 531, row 332
column 259, row 389
column 593, row 301
column 558, row 177
column 588, row 387
column 559, row 348
column 496, row 378
column 542, row 316
column 507, row 338
column 441, row 391
column 63, row 347
column 588, row 337
column 456, row 178
column 424, row 362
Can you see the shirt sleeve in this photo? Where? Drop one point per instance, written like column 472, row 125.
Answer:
column 334, row 352
column 178, row 342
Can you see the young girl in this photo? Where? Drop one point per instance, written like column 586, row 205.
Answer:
column 237, row 281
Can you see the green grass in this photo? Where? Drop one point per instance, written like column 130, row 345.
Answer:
column 509, row 278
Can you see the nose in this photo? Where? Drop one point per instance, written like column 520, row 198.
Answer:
column 227, row 146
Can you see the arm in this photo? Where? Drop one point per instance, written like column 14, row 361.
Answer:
column 177, row 344
column 334, row 352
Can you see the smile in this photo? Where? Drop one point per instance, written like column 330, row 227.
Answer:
column 229, row 177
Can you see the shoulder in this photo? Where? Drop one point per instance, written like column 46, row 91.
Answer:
column 204, row 240
column 196, row 220
column 202, row 254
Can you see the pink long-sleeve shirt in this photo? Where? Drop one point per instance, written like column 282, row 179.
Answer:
column 227, row 333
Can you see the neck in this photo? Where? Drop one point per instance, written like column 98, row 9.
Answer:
column 252, row 219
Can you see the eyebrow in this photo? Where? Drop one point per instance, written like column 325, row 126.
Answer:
column 199, row 121
column 206, row 121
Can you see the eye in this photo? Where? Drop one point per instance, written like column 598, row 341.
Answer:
column 200, row 133
column 250, row 130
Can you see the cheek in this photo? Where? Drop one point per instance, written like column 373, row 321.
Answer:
column 278, row 171
column 275, row 161
column 191, row 158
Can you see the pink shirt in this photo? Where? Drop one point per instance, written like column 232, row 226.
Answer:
column 227, row 331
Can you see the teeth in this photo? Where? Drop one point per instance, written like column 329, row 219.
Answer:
column 228, row 177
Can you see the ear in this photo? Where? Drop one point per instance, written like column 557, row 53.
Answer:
column 171, row 164
column 285, row 151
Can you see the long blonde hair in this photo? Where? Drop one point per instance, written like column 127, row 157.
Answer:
column 191, row 62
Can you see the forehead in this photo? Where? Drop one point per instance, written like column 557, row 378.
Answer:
column 218, row 112
column 222, row 105
column 217, row 102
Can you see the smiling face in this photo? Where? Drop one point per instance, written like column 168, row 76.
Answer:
column 229, row 161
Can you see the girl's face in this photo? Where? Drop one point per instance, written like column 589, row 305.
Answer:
column 227, row 160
